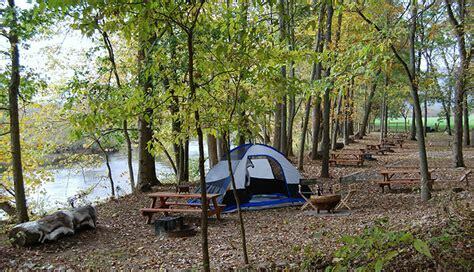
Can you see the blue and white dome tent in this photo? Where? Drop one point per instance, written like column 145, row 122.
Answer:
column 264, row 178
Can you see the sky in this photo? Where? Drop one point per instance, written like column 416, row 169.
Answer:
column 53, row 56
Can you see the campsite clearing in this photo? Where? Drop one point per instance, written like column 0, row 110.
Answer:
column 276, row 237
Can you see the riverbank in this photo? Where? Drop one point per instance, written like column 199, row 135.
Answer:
column 280, row 238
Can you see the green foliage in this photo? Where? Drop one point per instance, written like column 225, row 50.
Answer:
column 375, row 248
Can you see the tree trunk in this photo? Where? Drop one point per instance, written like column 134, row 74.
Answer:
column 129, row 155
column 316, row 75
column 425, row 105
column 146, row 162
column 346, row 120
column 212, row 150
column 237, row 200
column 202, row 173
column 186, row 161
column 459, row 31
column 109, row 169
column 335, row 131
column 326, row 101
column 382, row 117
column 110, row 50
column 447, row 116
column 220, row 141
column 13, row 93
column 283, row 26
column 277, row 127
column 303, row 134
column 425, row 188
column 368, row 108
column 466, row 138
column 413, row 125
column 316, row 125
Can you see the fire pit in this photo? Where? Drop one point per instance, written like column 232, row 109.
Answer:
column 326, row 202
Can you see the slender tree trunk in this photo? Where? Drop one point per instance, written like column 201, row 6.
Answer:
column 237, row 200
column 326, row 101
column 425, row 105
column 459, row 31
column 109, row 169
column 316, row 125
column 110, row 50
column 186, row 160
column 15, row 146
column 346, row 120
column 368, row 108
column 129, row 154
column 382, row 117
column 316, row 75
column 277, row 127
column 466, row 138
column 291, row 115
column 202, row 173
column 212, row 150
column 303, row 134
column 335, row 131
column 447, row 116
column 283, row 26
column 425, row 187
column 413, row 125
column 220, row 141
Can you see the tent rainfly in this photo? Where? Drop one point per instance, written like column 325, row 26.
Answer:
column 264, row 179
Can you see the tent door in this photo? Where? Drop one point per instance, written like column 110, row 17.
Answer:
column 266, row 177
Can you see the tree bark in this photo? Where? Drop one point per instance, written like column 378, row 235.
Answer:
column 316, row 127
column 335, row 131
column 109, row 169
column 368, row 108
column 466, row 138
column 283, row 26
column 425, row 188
column 315, row 75
column 146, row 162
column 212, row 150
column 413, row 124
column 237, row 200
column 13, row 93
column 326, row 101
column 202, row 173
column 461, row 77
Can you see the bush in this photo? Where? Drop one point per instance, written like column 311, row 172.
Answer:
column 375, row 248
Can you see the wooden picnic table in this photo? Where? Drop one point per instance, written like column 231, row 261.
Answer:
column 393, row 142
column 402, row 176
column 347, row 157
column 377, row 149
column 160, row 203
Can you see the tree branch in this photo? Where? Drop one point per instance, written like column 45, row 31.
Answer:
column 392, row 47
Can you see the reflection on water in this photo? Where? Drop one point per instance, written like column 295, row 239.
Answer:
column 70, row 181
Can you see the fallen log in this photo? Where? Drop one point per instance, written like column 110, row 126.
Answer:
column 53, row 226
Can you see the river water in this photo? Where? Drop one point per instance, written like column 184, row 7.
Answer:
column 70, row 181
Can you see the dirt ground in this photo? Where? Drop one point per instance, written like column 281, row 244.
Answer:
column 276, row 238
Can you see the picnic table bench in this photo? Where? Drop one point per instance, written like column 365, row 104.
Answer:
column 375, row 149
column 352, row 157
column 166, row 207
column 392, row 142
column 402, row 176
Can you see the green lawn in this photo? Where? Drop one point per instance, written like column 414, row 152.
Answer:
column 398, row 124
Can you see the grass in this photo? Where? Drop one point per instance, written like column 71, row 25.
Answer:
column 399, row 123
